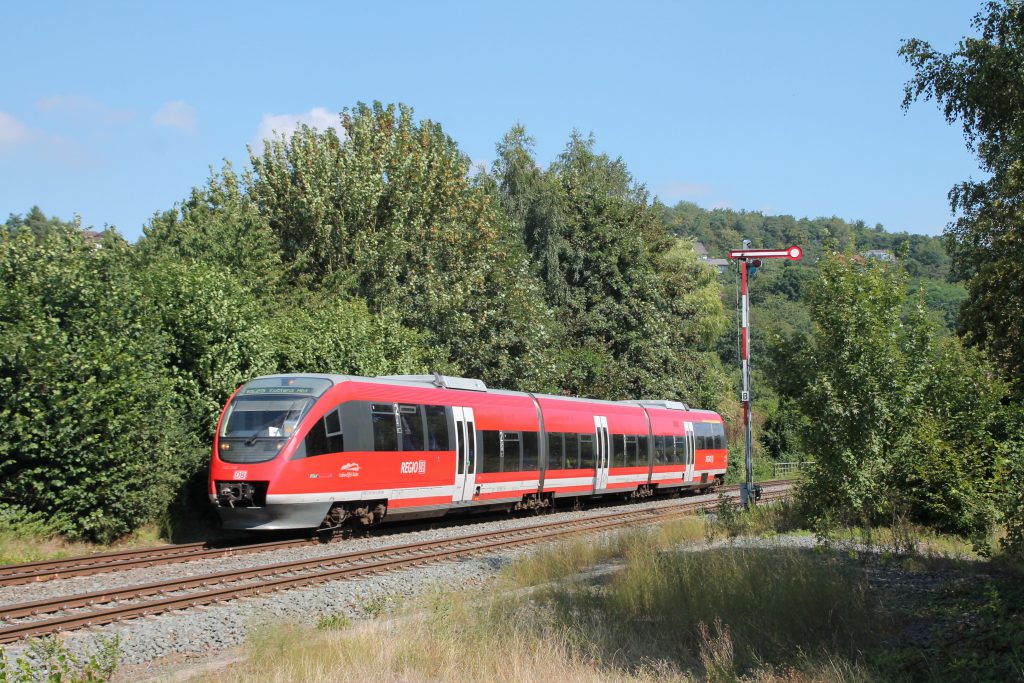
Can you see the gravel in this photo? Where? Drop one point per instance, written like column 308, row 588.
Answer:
column 205, row 631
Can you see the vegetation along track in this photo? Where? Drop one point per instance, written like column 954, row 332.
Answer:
column 119, row 560
column 156, row 597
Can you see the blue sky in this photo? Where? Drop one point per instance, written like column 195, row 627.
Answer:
column 115, row 110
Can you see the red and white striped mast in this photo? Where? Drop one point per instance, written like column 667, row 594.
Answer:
column 753, row 257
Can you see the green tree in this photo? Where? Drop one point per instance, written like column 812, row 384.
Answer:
column 635, row 304
column 219, row 225
column 1010, row 496
column 342, row 336
column 387, row 213
column 218, row 334
column 37, row 222
column 853, row 395
column 91, row 431
column 899, row 422
column 981, row 85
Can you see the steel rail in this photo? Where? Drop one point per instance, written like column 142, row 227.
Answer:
column 87, row 565
column 98, row 558
column 71, row 567
column 49, row 605
column 353, row 563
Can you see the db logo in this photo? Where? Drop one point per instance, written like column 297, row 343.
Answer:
column 414, row 467
column 240, row 474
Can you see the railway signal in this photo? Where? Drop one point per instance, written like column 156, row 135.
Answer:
column 750, row 260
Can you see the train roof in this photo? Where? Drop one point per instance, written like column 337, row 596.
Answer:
column 439, row 381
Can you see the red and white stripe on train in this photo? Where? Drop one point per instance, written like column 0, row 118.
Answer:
column 311, row 450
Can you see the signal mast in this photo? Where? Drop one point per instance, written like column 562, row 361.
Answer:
column 752, row 258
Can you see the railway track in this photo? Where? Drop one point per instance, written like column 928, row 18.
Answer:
column 48, row 570
column 84, row 610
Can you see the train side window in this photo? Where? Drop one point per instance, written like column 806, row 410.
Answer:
column 385, row 427
column 703, row 443
column 410, row 426
column 682, row 452
column 555, row 451
column 619, row 456
column 587, row 451
column 719, row 436
column 437, row 428
column 661, row 456
column 325, row 436
column 530, row 455
column 333, row 432
column 332, row 422
column 511, row 453
column 491, row 452
column 316, row 441
column 470, row 447
column 631, row 455
column 676, row 446
column 572, row 455
column 643, row 453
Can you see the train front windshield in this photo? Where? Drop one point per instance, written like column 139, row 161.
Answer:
column 264, row 414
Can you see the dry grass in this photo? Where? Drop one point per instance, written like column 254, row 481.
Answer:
column 905, row 539
column 664, row 614
column 30, row 541
column 569, row 558
column 672, row 620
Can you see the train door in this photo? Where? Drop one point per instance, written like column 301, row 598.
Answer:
column 691, row 451
column 601, row 453
column 465, row 455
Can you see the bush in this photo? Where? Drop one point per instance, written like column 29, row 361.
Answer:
column 899, row 423
column 1011, row 489
column 49, row 659
column 91, row 427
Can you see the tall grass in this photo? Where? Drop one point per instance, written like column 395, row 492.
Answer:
column 775, row 603
column 663, row 612
column 27, row 537
column 569, row 558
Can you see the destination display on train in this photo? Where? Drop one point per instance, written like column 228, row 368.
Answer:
column 278, row 390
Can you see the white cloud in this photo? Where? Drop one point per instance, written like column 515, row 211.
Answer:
column 176, row 114
column 272, row 125
column 14, row 132
column 84, row 107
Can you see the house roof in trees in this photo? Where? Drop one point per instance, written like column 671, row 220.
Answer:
column 880, row 254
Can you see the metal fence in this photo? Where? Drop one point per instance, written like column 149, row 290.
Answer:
column 784, row 469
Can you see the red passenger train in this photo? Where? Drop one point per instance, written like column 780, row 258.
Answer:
column 312, row 451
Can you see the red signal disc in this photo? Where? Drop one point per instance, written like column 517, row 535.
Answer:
column 794, row 253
